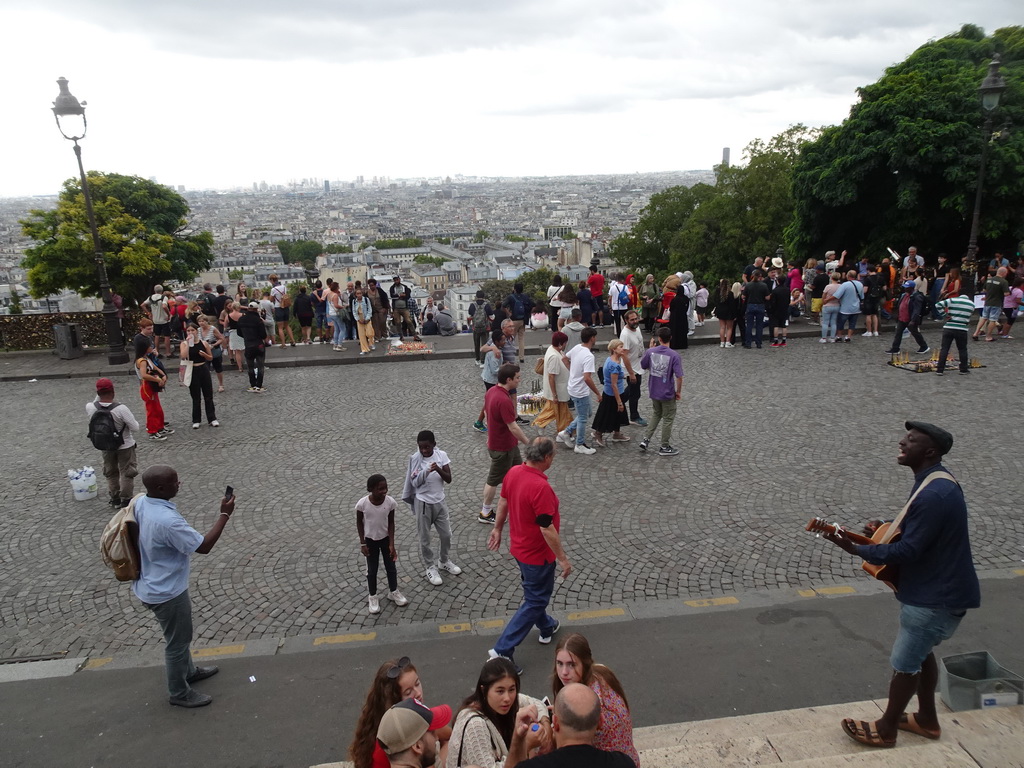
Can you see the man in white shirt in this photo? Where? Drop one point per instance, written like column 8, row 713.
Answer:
column 581, row 384
column 633, row 340
column 158, row 308
column 120, row 465
column 282, row 304
column 616, row 289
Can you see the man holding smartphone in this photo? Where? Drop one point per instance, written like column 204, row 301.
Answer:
column 166, row 543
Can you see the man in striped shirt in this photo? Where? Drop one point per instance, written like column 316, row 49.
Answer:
column 958, row 310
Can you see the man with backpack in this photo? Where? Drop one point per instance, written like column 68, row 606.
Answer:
column 480, row 314
column 618, row 300
column 111, row 425
column 158, row 308
column 518, row 307
column 166, row 544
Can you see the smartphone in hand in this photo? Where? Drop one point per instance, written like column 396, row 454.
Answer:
column 229, row 492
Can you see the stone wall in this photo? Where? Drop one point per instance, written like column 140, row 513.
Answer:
column 19, row 332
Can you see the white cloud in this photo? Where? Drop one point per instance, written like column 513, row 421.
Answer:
column 216, row 93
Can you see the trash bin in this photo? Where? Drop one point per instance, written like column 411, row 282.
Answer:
column 976, row 680
column 69, row 343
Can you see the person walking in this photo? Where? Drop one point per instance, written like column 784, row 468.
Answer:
column 633, row 350
column 166, row 544
column 665, row 385
column 555, row 386
column 530, row 506
column 503, row 435
column 908, row 317
column 581, row 384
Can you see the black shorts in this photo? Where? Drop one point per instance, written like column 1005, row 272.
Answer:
column 305, row 321
column 280, row 314
column 161, row 329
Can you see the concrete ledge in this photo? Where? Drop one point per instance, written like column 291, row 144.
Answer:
column 37, row 670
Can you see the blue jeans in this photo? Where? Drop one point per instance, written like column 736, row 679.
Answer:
column 339, row 330
column 829, row 315
column 921, row 629
column 755, row 322
column 579, row 426
column 538, row 584
column 936, row 289
column 175, row 617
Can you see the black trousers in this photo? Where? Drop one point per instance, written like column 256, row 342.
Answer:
column 948, row 337
column 201, row 389
column 256, row 357
column 380, row 548
column 633, row 390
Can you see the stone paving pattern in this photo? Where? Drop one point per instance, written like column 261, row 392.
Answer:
column 768, row 439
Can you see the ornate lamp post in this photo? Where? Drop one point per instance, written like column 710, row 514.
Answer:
column 71, row 122
column 991, row 89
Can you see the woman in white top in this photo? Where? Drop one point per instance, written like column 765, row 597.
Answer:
column 555, row 385
column 485, row 723
column 554, row 303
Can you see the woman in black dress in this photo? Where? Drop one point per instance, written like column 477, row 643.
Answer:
column 678, row 321
column 726, row 311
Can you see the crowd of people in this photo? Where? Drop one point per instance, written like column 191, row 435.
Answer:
column 498, row 725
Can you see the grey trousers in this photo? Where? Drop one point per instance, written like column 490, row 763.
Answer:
column 663, row 411
column 175, row 617
column 435, row 515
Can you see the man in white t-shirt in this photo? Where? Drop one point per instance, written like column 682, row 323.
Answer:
column 282, row 305
column 581, row 384
column 633, row 340
column 159, row 310
column 618, row 299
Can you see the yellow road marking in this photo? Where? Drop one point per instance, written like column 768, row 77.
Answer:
column 1019, row 571
column 353, row 638
column 711, row 602
column 596, row 614
column 490, row 624
column 807, row 593
column 220, row 650
column 835, row 590
column 97, row 663
column 462, row 626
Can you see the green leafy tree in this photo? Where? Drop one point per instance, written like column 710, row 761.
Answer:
column 303, row 252
column 422, row 258
column 143, row 232
column 482, row 235
column 444, row 240
column 338, row 248
column 402, row 242
column 235, row 274
column 535, row 285
column 15, row 307
column 902, row 168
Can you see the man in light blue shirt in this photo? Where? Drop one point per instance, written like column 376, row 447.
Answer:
column 166, row 543
column 850, row 295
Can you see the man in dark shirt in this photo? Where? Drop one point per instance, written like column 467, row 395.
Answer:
column 574, row 725
column 254, row 334
column 218, row 302
column 817, row 291
column 401, row 316
column 748, row 271
column 936, row 584
column 755, row 293
column 518, row 306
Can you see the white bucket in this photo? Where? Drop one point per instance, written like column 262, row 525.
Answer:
column 85, row 487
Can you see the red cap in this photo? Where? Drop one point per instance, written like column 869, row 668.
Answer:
column 104, row 385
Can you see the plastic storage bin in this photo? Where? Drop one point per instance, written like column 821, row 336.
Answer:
column 970, row 680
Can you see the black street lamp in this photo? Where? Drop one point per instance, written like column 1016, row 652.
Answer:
column 991, row 89
column 71, row 122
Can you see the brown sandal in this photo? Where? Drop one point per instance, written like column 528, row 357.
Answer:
column 909, row 723
column 864, row 733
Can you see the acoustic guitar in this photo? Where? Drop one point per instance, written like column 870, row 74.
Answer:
column 887, row 574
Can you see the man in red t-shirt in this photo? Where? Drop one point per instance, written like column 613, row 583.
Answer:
column 503, row 435
column 595, row 283
column 530, row 505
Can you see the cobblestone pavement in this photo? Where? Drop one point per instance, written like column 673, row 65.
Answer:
column 768, row 439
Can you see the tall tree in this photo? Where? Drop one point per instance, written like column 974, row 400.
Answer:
column 902, row 168
column 143, row 233
column 303, row 252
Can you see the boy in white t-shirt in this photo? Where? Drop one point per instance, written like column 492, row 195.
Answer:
column 429, row 470
column 375, row 523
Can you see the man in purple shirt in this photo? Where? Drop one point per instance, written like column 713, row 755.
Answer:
column 666, row 388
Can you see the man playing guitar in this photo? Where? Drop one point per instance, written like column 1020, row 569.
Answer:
column 937, row 584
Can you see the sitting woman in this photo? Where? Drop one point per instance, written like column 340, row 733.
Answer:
column 395, row 681
column 486, row 721
column 574, row 663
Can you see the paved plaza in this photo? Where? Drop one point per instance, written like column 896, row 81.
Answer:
column 768, row 439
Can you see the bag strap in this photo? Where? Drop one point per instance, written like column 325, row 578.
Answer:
column 894, row 526
column 462, row 741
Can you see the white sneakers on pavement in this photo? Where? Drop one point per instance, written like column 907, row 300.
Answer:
column 433, row 576
column 451, row 567
column 374, row 604
column 398, row 598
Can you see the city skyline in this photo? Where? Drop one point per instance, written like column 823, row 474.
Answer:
column 207, row 96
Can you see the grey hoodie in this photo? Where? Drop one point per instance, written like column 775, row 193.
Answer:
column 572, row 330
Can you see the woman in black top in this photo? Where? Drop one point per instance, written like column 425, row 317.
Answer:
column 199, row 353
column 302, row 307
column 726, row 309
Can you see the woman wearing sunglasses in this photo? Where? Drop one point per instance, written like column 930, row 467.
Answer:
column 486, row 721
column 574, row 663
column 395, row 681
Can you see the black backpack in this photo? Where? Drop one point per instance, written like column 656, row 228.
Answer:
column 877, row 289
column 103, row 431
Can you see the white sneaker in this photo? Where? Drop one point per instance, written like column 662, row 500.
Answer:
column 451, row 567
column 195, row 425
column 729, row 345
column 721, row 344
column 398, row 598
column 866, row 333
column 433, row 576
column 584, row 449
column 214, row 423
column 823, row 341
column 374, row 604
column 875, row 333
column 566, row 438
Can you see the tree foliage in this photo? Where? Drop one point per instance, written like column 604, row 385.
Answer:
column 143, row 233
column 715, row 230
column 535, row 285
column 422, row 258
column 902, row 169
column 302, row 252
column 402, row 242
column 338, row 248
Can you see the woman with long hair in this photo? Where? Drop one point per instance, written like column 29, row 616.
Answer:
column 151, row 380
column 196, row 351
column 726, row 310
column 810, row 272
column 569, row 300
column 229, row 319
column 396, row 680
column 574, row 663
column 554, row 301
column 208, row 332
column 951, row 288
column 487, row 718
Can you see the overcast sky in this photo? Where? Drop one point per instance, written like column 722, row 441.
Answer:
column 222, row 93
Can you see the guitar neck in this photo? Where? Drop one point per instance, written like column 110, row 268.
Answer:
column 856, row 538
column 819, row 525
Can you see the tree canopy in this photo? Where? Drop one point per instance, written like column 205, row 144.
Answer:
column 302, row 252
column 902, row 169
column 715, row 230
column 143, row 233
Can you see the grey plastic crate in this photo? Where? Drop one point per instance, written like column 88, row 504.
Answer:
column 964, row 679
